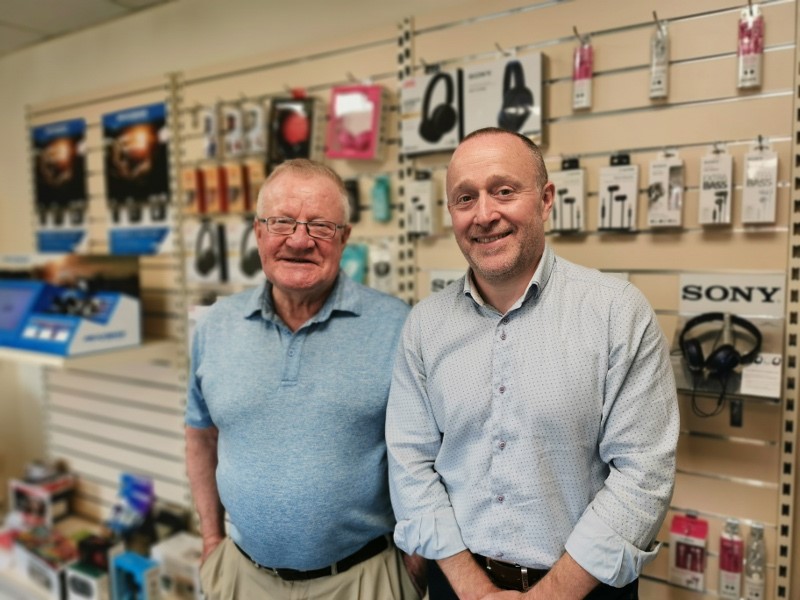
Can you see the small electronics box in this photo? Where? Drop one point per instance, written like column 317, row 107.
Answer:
column 179, row 556
column 42, row 503
column 134, row 577
column 43, row 555
column 688, row 537
column 86, row 582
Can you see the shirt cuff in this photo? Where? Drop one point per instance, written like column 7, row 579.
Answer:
column 604, row 554
column 433, row 535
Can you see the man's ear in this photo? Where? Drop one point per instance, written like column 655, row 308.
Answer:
column 548, row 197
column 346, row 233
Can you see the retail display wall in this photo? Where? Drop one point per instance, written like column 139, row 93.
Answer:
column 110, row 418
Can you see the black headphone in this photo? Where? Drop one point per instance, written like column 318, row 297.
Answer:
column 443, row 119
column 517, row 99
column 250, row 261
column 205, row 252
column 722, row 361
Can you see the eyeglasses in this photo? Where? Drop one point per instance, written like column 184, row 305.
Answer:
column 323, row 230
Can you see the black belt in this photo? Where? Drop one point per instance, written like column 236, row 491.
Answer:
column 373, row 548
column 516, row 577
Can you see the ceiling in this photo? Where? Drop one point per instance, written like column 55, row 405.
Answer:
column 24, row 23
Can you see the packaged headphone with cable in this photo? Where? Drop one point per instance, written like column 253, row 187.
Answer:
column 665, row 191
column 618, row 191
column 716, row 188
column 244, row 261
column 431, row 112
column 505, row 93
column 206, row 251
column 254, row 128
column 354, row 123
column 232, row 134
column 569, row 205
column 291, row 129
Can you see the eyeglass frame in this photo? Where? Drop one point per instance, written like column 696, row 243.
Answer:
column 265, row 221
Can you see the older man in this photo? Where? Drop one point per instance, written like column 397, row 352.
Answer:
column 284, row 422
column 533, row 419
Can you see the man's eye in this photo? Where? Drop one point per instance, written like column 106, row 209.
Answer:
column 463, row 199
column 505, row 192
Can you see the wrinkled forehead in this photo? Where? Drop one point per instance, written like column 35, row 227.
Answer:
column 295, row 192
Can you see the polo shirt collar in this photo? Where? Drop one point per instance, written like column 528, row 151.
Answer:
column 343, row 298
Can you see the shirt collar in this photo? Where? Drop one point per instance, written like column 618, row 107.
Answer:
column 343, row 298
column 534, row 288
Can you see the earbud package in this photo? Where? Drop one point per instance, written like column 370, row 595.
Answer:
column 291, row 129
column 354, row 123
column 211, row 133
column 688, row 536
column 618, row 193
column 232, row 132
column 569, row 206
column 665, row 192
column 354, row 262
column 354, row 199
column 254, row 128
column 216, row 189
column 716, row 189
column 381, row 273
column 206, row 260
column 242, row 250
column 420, row 195
column 760, row 186
column 237, row 190
column 255, row 173
column 505, row 93
column 430, row 112
column 381, row 199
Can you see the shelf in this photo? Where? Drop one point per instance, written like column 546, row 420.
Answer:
column 149, row 348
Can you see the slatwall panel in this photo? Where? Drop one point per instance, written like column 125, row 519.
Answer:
column 722, row 471
column 112, row 418
column 105, row 417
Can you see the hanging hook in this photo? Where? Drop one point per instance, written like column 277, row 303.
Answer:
column 501, row 51
column 717, row 149
column 578, row 35
column 351, row 78
column 760, row 142
column 659, row 23
column 750, row 7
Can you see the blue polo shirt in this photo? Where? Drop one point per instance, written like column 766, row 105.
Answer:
column 302, row 458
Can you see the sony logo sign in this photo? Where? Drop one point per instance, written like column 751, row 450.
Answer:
column 745, row 294
column 729, row 293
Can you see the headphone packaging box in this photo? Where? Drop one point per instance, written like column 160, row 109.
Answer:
column 354, row 123
column 242, row 253
column 291, row 129
column 431, row 112
column 760, row 186
column 354, row 262
column 59, row 158
column 505, row 93
column 688, row 535
column 421, row 194
column 206, row 258
column 569, row 205
column 380, row 275
column 255, row 173
column 179, row 560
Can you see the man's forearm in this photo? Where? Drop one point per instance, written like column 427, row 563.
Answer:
column 201, row 466
column 468, row 580
column 565, row 580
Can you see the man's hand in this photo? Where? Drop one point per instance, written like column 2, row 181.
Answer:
column 210, row 544
column 417, row 568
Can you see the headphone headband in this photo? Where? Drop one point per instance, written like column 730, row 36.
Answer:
column 735, row 320
column 449, row 92
column 513, row 71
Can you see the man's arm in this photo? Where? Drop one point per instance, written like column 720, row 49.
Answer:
column 468, row 580
column 567, row 580
column 201, row 467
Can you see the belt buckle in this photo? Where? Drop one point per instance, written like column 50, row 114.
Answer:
column 524, row 577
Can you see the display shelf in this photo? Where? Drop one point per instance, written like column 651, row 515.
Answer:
column 143, row 351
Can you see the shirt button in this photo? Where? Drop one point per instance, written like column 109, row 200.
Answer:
column 500, row 499
column 499, row 555
column 502, row 445
column 504, row 321
column 502, row 389
column 503, row 335
column 291, row 352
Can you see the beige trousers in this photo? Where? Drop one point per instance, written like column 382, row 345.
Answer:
column 227, row 575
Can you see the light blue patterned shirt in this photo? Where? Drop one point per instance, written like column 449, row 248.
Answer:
column 302, row 458
column 552, row 427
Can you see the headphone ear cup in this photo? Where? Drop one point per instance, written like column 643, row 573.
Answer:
column 693, row 355
column 442, row 120
column 723, row 360
column 427, row 131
